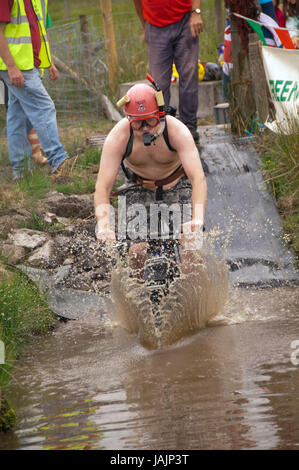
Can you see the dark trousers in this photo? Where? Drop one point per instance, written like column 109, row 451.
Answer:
column 174, row 43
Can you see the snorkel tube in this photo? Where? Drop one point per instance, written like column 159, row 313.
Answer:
column 147, row 137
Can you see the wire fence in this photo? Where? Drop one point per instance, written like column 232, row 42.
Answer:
column 81, row 58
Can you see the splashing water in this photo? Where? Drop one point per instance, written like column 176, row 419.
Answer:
column 194, row 298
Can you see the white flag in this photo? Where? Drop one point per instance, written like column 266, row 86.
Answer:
column 282, row 73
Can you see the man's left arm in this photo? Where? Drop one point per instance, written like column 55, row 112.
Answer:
column 196, row 23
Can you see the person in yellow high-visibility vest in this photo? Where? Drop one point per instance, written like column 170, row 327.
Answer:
column 24, row 52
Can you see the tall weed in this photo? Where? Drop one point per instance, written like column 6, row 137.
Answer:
column 281, row 171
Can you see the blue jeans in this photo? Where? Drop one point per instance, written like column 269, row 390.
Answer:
column 174, row 43
column 31, row 106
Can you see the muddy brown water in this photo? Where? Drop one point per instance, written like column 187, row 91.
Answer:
column 232, row 385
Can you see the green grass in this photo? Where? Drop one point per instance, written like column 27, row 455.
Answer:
column 91, row 157
column 35, row 184
column 84, row 175
column 23, row 312
column 281, row 171
column 58, row 11
column 36, row 223
column 23, row 315
column 28, row 191
column 77, row 186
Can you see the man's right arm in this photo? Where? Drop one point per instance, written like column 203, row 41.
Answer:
column 113, row 149
column 15, row 75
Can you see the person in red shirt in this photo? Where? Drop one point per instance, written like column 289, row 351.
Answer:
column 171, row 33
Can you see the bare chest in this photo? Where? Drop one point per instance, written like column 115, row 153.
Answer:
column 151, row 160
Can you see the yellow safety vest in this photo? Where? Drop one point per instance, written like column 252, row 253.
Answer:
column 18, row 37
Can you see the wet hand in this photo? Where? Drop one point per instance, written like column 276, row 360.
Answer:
column 106, row 236
column 196, row 24
column 192, row 227
column 192, row 236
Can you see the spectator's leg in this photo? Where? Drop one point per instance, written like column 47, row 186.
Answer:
column 35, row 147
column 40, row 110
column 186, row 60
column 160, row 56
column 16, row 135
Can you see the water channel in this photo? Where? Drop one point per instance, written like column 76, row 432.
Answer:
column 232, row 385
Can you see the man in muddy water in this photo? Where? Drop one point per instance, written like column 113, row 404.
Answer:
column 162, row 167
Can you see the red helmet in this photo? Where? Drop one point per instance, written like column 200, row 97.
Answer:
column 142, row 102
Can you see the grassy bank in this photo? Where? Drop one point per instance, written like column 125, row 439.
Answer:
column 281, row 172
column 24, row 314
column 34, row 186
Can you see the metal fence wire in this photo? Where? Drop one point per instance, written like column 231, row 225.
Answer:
column 82, row 62
column 81, row 58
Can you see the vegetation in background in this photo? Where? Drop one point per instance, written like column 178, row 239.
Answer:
column 281, row 172
column 129, row 34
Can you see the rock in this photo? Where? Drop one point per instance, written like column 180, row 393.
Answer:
column 11, row 221
column 54, row 196
column 27, row 238
column 68, row 261
column 14, row 254
column 61, row 274
column 70, row 256
column 45, row 256
column 49, row 218
column 41, row 277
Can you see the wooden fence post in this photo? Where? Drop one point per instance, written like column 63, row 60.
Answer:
column 67, row 9
column 85, row 34
column 110, row 43
column 260, row 87
column 219, row 15
column 242, row 99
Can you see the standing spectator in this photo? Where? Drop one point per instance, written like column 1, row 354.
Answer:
column 291, row 13
column 24, row 50
column 279, row 13
column 227, row 56
column 171, row 33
